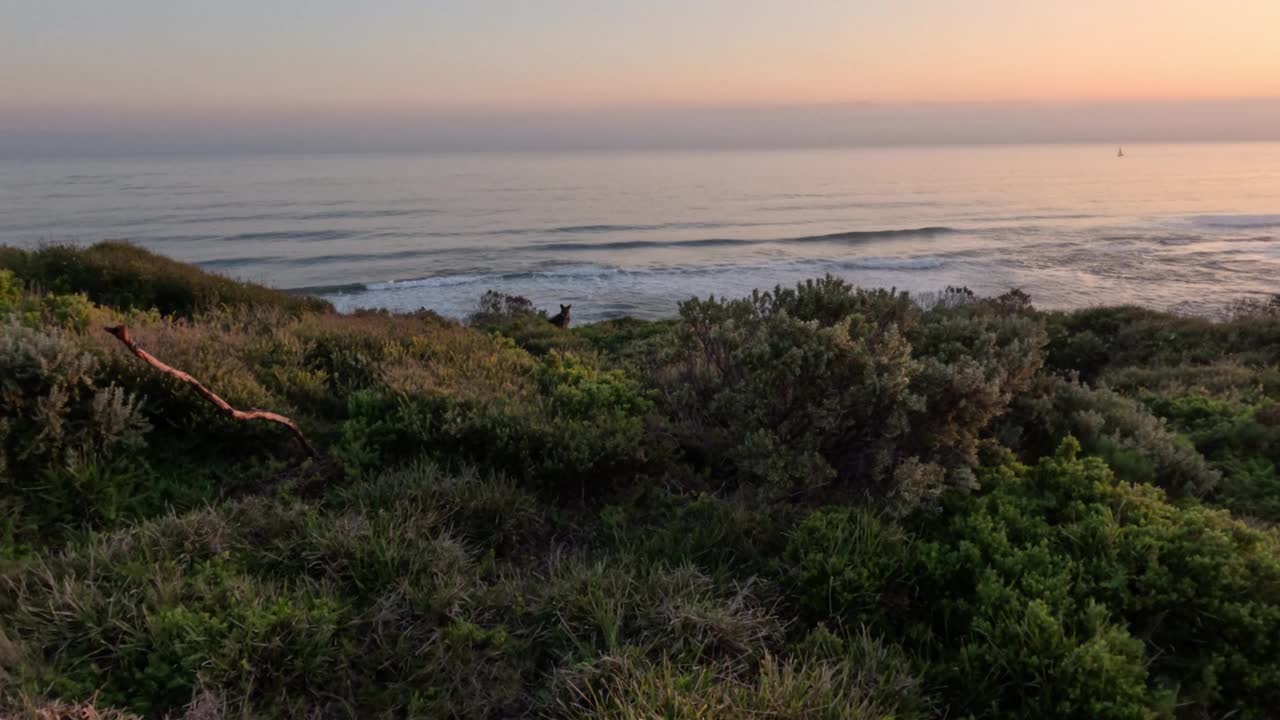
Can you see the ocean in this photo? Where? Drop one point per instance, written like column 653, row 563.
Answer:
column 1184, row 227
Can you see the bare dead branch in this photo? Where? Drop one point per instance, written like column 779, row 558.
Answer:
column 121, row 333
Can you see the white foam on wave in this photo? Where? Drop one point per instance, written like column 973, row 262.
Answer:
column 924, row 262
column 429, row 282
column 560, row 274
column 607, row 291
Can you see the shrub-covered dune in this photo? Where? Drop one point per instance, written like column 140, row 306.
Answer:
column 814, row 502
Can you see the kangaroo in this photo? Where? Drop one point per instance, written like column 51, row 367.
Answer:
column 562, row 320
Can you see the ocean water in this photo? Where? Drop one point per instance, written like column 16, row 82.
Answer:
column 1190, row 228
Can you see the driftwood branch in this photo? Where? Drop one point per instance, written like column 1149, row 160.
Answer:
column 121, row 333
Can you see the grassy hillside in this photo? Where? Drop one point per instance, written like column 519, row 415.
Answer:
column 817, row 501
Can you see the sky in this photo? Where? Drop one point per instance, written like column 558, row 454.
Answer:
column 382, row 74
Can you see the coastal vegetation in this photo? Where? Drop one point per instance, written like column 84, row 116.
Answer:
column 818, row 501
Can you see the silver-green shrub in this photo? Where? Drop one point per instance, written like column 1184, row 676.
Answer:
column 52, row 407
column 64, row 440
column 824, row 388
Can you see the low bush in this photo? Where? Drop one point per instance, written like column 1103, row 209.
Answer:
column 818, row 388
column 65, row 442
column 1135, row 443
column 579, row 431
column 1091, row 341
column 496, row 307
column 1061, row 589
column 627, row 341
column 1240, row 439
column 71, row 312
column 127, row 277
column 1225, row 381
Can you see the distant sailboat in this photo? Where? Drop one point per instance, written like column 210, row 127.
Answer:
column 1119, row 152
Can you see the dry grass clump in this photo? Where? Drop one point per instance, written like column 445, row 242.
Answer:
column 626, row 688
column 205, row 705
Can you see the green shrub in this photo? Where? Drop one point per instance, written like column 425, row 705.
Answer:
column 581, row 431
column 10, row 292
column 71, row 312
column 66, row 444
column 52, row 408
column 67, row 311
column 1093, row 340
column 1060, row 588
column 1134, row 442
column 1250, row 488
column 762, row 394
column 347, row 361
column 626, row 340
column 494, row 307
column 1240, row 439
column 818, row 387
column 1237, row 383
column 1081, row 353
column 126, row 277
column 574, row 388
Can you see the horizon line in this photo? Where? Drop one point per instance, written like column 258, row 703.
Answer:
column 621, row 149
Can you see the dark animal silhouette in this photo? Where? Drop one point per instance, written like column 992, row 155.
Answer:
column 562, row 320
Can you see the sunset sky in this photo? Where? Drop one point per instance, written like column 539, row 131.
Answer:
column 245, row 64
